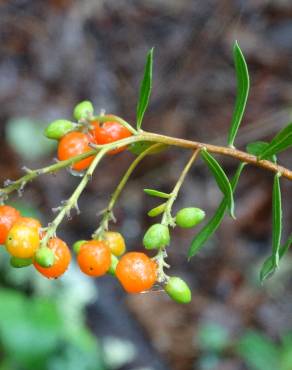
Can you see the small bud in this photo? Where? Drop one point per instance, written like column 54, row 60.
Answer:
column 113, row 266
column 189, row 217
column 77, row 245
column 20, row 262
column 157, row 236
column 45, row 257
column 83, row 109
column 178, row 290
column 57, row 129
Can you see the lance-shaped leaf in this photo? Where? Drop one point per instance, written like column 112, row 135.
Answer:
column 157, row 193
column 242, row 78
column 157, row 210
column 145, row 89
column 259, row 147
column 269, row 266
column 277, row 219
column 221, row 179
column 209, row 229
column 282, row 141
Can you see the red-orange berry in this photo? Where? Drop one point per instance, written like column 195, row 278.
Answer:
column 136, row 272
column 94, row 258
column 62, row 258
column 8, row 215
column 73, row 144
column 22, row 241
column 109, row 132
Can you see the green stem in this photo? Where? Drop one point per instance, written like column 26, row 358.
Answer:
column 107, row 214
column 72, row 202
column 167, row 219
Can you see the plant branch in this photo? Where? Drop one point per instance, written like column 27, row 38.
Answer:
column 111, row 117
column 107, row 214
column 167, row 219
column 72, row 202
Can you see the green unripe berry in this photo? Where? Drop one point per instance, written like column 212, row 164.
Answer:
column 77, row 245
column 113, row 266
column 189, row 217
column 82, row 110
column 178, row 290
column 45, row 257
column 157, row 236
column 57, row 129
column 20, row 262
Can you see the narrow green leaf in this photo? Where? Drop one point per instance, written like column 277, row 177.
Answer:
column 269, row 266
column 277, row 219
column 208, row 230
column 242, row 78
column 282, row 141
column 157, row 193
column 221, row 179
column 259, row 147
column 157, row 210
column 145, row 89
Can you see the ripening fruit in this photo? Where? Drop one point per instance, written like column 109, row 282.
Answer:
column 22, row 241
column 77, row 245
column 113, row 266
column 189, row 217
column 83, row 109
column 8, row 215
column 115, row 242
column 109, row 132
column 20, row 262
column 73, row 144
column 44, row 257
column 136, row 272
column 57, row 129
column 157, row 236
column 94, row 258
column 178, row 290
column 30, row 222
column 62, row 258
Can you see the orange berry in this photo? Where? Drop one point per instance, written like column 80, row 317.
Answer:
column 115, row 242
column 94, row 258
column 8, row 215
column 73, row 144
column 136, row 272
column 61, row 261
column 29, row 221
column 109, row 132
column 22, row 241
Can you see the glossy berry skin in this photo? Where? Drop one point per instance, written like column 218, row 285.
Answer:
column 30, row 222
column 57, row 129
column 178, row 290
column 83, row 109
column 22, row 241
column 109, row 132
column 94, row 258
column 20, row 262
column 136, row 272
column 73, row 144
column 62, row 258
column 115, row 242
column 157, row 236
column 189, row 217
column 77, row 245
column 8, row 215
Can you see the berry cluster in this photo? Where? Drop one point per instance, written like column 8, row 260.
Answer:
column 27, row 243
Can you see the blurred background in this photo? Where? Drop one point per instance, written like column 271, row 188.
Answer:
column 55, row 53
